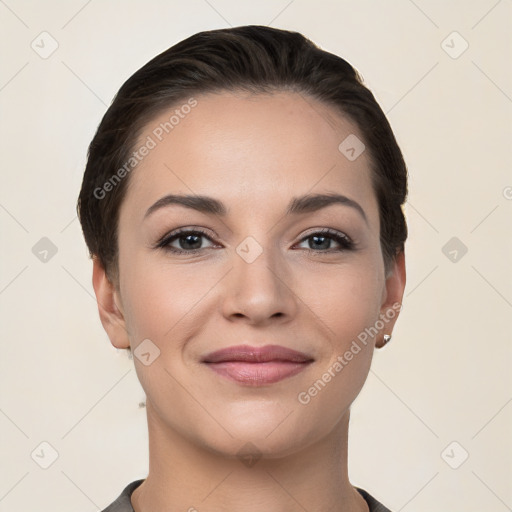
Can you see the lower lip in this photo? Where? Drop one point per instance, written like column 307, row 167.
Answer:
column 257, row 374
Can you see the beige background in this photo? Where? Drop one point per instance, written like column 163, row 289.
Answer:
column 445, row 377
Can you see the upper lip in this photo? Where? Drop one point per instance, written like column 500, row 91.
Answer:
column 263, row 354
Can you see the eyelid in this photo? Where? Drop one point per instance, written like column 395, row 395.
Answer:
column 164, row 240
column 327, row 231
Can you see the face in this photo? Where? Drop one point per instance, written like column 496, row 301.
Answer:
column 268, row 267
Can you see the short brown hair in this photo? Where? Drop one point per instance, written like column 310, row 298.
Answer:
column 252, row 58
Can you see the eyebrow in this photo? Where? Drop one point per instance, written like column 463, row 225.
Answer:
column 298, row 205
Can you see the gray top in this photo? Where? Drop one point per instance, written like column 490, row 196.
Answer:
column 124, row 504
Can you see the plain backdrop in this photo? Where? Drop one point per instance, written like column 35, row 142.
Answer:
column 431, row 429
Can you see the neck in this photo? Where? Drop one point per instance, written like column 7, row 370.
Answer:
column 185, row 476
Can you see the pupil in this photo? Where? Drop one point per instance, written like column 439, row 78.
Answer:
column 321, row 237
column 188, row 237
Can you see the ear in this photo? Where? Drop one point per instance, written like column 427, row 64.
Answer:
column 109, row 307
column 392, row 297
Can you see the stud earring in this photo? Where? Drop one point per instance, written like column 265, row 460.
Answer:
column 387, row 339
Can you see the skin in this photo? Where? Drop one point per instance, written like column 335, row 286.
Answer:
column 254, row 153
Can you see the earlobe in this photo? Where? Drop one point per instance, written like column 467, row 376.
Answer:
column 111, row 315
column 394, row 292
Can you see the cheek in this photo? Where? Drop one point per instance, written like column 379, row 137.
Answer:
column 345, row 303
column 345, row 299
column 160, row 300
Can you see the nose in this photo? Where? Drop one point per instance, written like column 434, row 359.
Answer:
column 260, row 290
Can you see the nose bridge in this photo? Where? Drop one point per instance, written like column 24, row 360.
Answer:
column 257, row 263
column 258, row 285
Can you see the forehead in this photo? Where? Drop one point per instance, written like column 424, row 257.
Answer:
column 249, row 149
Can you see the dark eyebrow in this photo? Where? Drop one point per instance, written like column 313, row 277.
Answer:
column 314, row 202
column 298, row 205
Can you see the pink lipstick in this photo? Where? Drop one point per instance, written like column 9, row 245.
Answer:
column 257, row 366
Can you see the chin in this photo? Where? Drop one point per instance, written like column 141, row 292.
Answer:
column 247, row 443
column 270, row 432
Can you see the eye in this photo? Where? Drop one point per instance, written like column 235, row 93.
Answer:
column 323, row 238
column 188, row 240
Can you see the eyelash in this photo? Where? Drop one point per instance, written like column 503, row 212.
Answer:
column 164, row 243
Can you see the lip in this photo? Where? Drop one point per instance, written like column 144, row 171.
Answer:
column 257, row 366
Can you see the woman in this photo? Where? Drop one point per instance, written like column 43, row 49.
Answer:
column 242, row 203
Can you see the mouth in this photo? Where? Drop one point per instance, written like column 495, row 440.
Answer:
column 257, row 366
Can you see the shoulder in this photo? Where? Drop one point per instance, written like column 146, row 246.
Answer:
column 123, row 502
column 373, row 504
